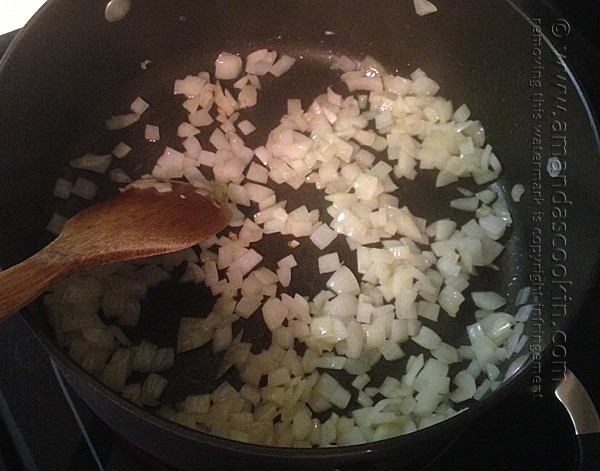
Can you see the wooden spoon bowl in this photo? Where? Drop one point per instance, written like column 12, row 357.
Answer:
column 134, row 224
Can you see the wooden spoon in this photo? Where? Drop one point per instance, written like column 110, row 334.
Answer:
column 136, row 223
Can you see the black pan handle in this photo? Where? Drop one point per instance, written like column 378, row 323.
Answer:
column 589, row 451
column 586, row 422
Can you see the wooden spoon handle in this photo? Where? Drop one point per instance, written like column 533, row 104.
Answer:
column 24, row 282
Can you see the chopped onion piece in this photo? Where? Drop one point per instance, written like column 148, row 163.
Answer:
column 332, row 391
column 187, row 130
column 62, row 188
column 345, row 64
column 323, row 236
column 357, row 81
column 257, row 173
column 288, row 261
column 151, row 133
column 200, row 118
column 465, row 204
column 343, row 281
column 116, row 10
column 465, row 387
column 260, row 62
column 517, row 192
column 329, row 263
column 427, row 338
column 152, row 388
column 121, row 121
column 248, row 96
column 228, row 66
column 189, row 86
column 280, row 67
column 92, row 162
column 461, row 114
column 56, row 224
column 246, row 127
column 121, row 150
column 193, row 333
column 85, row 188
column 118, row 175
column 488, row 300
column 139, row 105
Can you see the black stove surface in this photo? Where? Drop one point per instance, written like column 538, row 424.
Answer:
column 44, row 426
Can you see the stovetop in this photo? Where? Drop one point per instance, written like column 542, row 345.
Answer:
column 45, row 426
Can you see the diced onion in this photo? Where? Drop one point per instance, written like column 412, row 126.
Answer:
column 280, row 67
column 121, row 150
column 408, row 274
column 121, row 121
column 56, row 224
column 329, row 263
column 260, row 62
column 517, row 192
column 93, row 162
column 62, row 188
column 85, row 188
column 118, row 175
column 139, row 105
column 116, row 10
column 228, row 66
column 151, row 133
